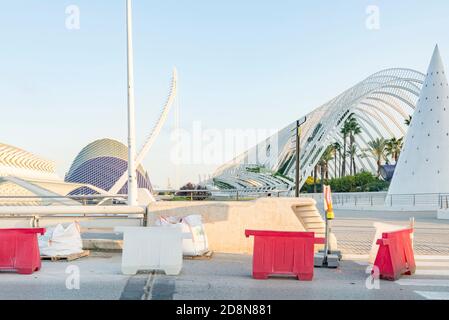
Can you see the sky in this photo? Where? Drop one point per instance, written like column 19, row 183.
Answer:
column 242, row 65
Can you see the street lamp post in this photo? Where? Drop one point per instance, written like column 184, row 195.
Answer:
column 132, row 179
column 299, row 123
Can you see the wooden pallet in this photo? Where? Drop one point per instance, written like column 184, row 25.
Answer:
column 70, row 257
column 208, row 255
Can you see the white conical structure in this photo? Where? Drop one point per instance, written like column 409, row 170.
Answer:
column 423, row 166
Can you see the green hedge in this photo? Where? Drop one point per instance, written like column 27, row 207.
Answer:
column 361, row 182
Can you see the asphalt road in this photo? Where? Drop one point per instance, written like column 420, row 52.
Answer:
column 222, row 277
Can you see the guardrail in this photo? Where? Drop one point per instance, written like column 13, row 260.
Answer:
column 230, row 194
column 355, row 199
column 70, row 200
column 373, row 199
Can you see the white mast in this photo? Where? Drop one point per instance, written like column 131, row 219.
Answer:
column 132, row 179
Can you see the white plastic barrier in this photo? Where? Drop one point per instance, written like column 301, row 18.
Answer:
column 152, row 248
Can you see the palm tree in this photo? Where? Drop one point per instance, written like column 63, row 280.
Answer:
column 323, row 163
column 393, row 148
column 345, row 130
column 377, row 151
column 408, row 121
column 352, row 151
column 327, row 156
column 337, row 150
column 315, row 169
column 354, row 129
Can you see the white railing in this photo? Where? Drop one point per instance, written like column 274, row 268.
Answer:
column 382, row 199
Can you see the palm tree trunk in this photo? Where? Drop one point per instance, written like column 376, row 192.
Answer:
column 335, row 163
column 339, row 163
column 343, row 166
column 378, row 167
column 322, row 171
column 351, row 160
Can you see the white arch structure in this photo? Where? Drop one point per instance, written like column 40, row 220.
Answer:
column 153, row 134
column 380, row 103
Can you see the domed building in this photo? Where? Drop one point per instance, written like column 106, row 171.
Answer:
column 28, row 179
column 101, row 164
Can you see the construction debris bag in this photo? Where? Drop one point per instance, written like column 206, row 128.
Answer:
column 60, row 241
column 194, row 245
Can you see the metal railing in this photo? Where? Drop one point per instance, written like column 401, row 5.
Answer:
column 382, row 199
column 70, row 200
column 356, row 199
column 222, row 195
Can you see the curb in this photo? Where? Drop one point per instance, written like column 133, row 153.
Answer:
column 102, row 244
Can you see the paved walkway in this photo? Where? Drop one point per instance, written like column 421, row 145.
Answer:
column 355, row 232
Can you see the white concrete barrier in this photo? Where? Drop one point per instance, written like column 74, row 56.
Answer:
column 152, row 248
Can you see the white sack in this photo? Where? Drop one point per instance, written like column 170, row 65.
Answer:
column 194, row 245
column 60, row 241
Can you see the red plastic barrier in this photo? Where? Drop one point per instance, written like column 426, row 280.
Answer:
column 19, row 250
column 289, row 253
column 395, row 256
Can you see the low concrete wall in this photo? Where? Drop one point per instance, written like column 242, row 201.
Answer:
column 225, row 222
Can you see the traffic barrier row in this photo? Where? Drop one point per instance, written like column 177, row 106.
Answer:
column 275, row 252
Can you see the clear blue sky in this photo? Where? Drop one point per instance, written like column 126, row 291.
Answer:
column 242, row 64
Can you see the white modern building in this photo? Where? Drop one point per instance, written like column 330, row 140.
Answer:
column 381, row 103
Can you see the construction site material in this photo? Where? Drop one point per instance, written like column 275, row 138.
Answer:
column 327, row 258
column 395, row 256
column 196, row 244
column 60, row 241
column 283, row 253
column 206, row 256
column 19, row 250
column 70, row 257
column 152, row 248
